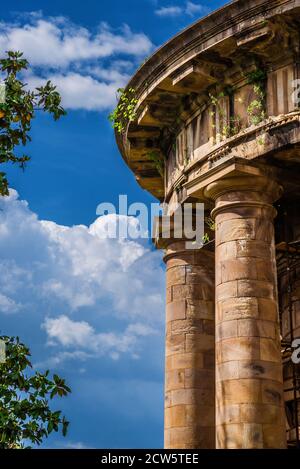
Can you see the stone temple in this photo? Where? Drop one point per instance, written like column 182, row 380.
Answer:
column 217, row 121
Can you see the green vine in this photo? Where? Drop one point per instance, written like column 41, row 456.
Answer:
column 210, row 223
column 125, row 110
column 256, row 109
column 233, row 126
column 158, row 161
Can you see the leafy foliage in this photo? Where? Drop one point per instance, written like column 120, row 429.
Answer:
column 24, row 399
column 228, row 126
column 125, row 110
column 18, row 110
column 158, row 161
column 256, row 109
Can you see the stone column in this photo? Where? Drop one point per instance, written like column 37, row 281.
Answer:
column 249, row 389
column 190, row 342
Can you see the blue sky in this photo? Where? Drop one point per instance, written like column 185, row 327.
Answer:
column 91, row 309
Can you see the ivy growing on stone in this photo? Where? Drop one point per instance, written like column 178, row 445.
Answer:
column 125, row 111
column 256, row 109
column 229, row 127
column 158, row 161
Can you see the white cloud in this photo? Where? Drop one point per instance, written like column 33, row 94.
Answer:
column 87, row 67
column 53, row 271
column 83, row 91
column 7, row 305
column 190, row 9
column 58, row 43
column 169, row 11
column 74, row 445
column 80, row 334
column 68, row 332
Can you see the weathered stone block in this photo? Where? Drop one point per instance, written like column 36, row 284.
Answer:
column 243, row 348
column 192, row 396
column 239, row 391
column 237, row 308
column 252, row 248
column 176, row 310
column 200, row 379
column 256, row 328
column 268, row 309
column 260, row 369
column 226, row 290
column 229, row 436
column 203, row 309
column 203, row 414
column 226, row 251
column 174, row 379
column 228, row 414
column 272, row 393
column 243, row 268
column 274, row 436
column 199, row 342
column 187, row 326
column 167, row 417
column 255, row 288
column 186, row 360
column 264, row 231
column 227, row 370
column 226, row 330
column 253, row 436
column 270, row 350
column 230, row 230
column 265, row 270
column 175, row 344
column 193, row 291
column 168, row 295
column 176, row 276
column 260, row 413
column 177, row 416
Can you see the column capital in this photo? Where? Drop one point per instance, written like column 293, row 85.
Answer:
column 268, row 187
column 244, row 192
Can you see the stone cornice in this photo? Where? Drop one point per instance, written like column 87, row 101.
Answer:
column 205, row 50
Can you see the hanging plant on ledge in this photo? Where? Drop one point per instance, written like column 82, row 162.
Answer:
column 231, row 126
column 256, row 109
column 158, row 162
column 125, row 110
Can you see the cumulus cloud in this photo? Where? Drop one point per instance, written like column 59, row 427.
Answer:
column 55, row 271
column 57, row 42
column 7, row 305
column 74, row 334
column 190, row 9
column 169, row 11
column 83, row 91
column 87, row 66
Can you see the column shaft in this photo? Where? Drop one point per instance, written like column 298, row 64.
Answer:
column 249, row 390
column 189, row 372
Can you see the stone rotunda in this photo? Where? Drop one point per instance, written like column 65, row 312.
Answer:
column 217, row 121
